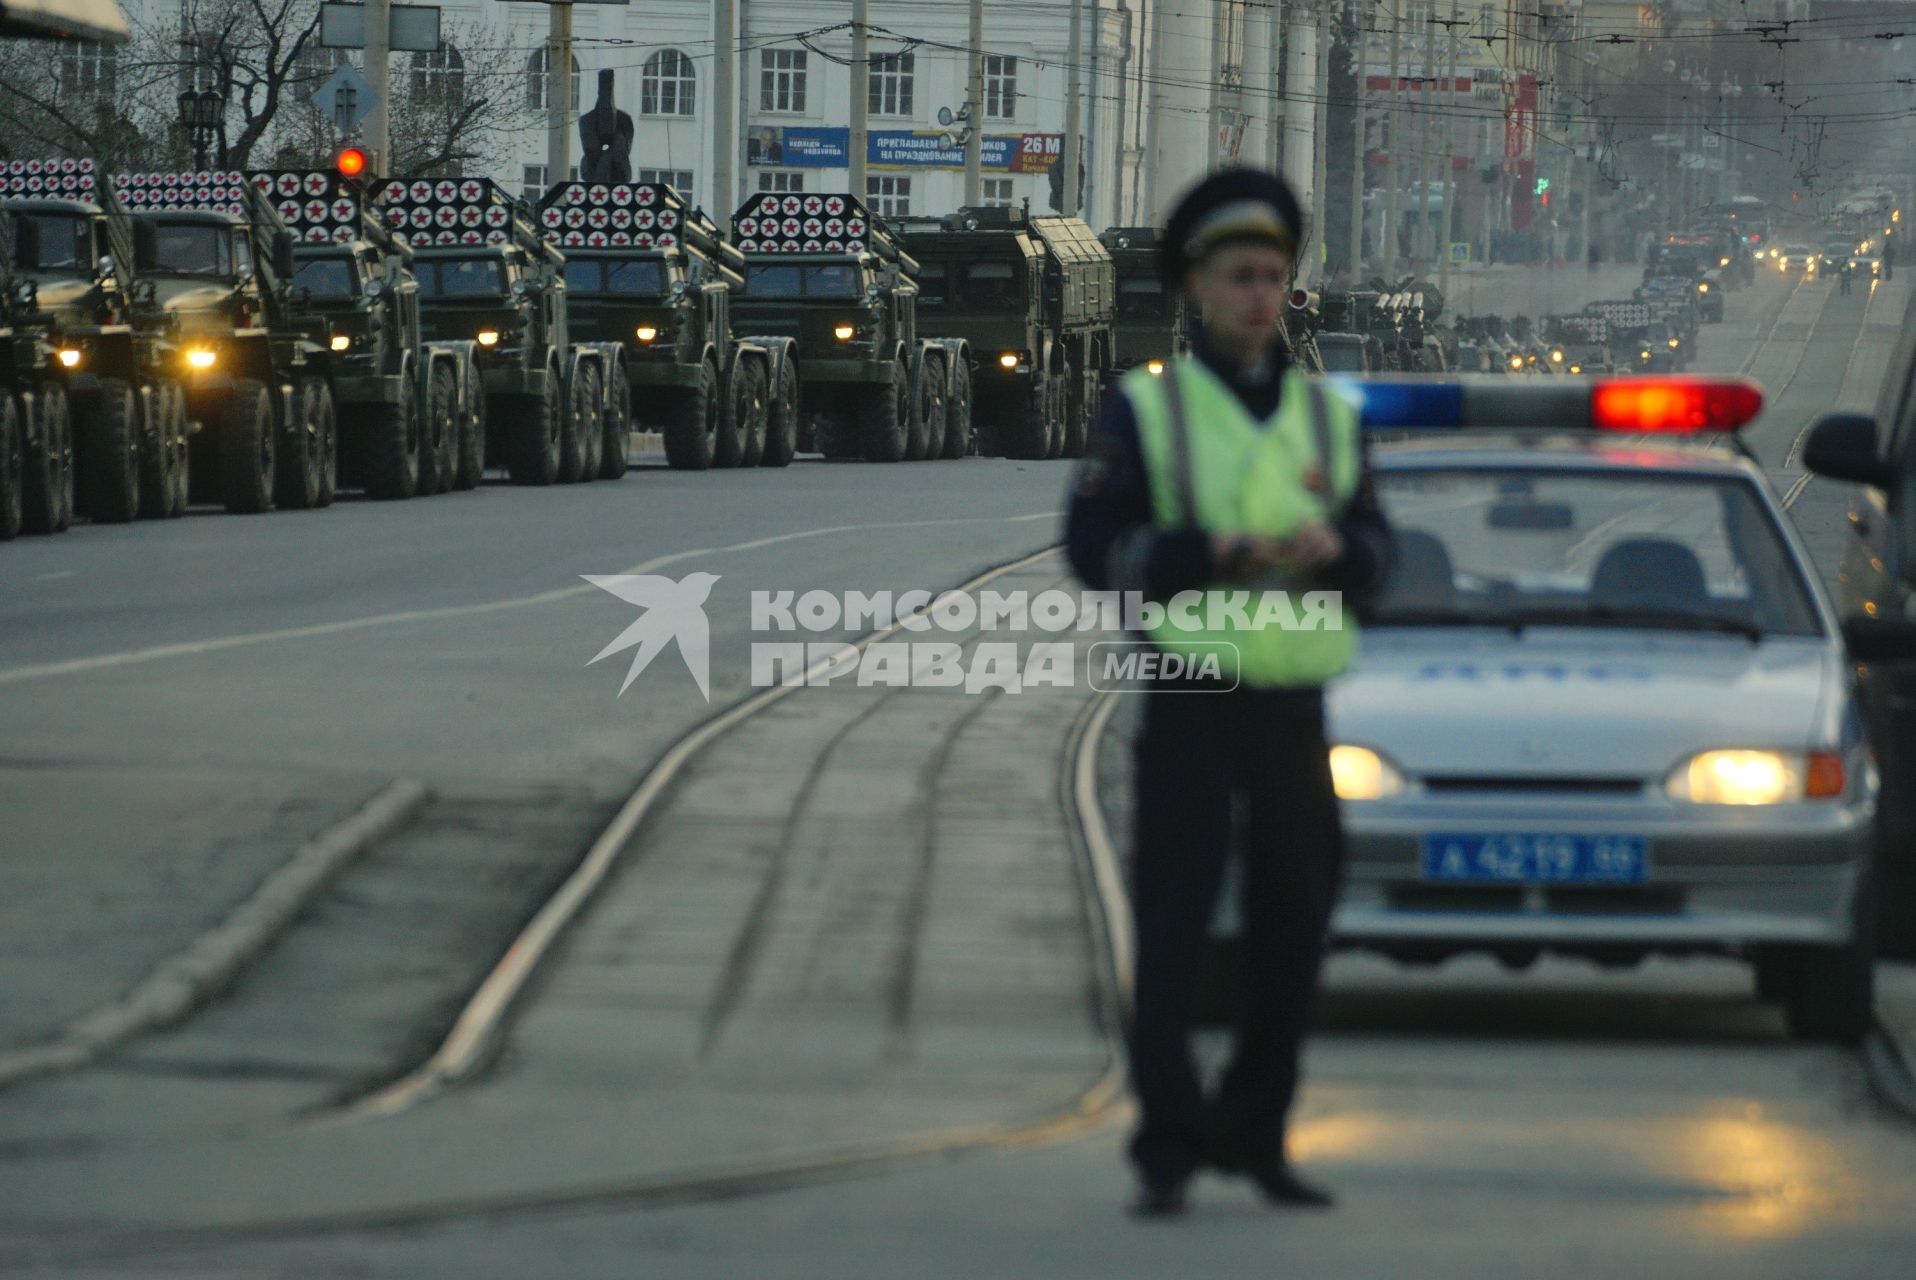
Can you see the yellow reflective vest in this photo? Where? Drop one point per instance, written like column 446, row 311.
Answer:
column 1215, row 467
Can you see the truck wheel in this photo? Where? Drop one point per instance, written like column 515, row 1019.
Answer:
column 326, row 429
column 958, row 417
column 579, row 422
column 13, row 467
column 165, row 468
column 692, row 423
column 917, row 423
column 392, row 445
column 533, row 456
column 49, row 487
column 1060, row 406
column 936, row 376
column 472, row 438
column 438, row 433
column 592, row 424
column 781, row 420
column 618, row 425
column 299, row 460
column 741, row 435
column 884, row 418
column 112, row 454
column 247, row 439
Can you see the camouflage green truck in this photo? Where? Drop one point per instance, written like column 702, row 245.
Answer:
column 823, row 273
column 258, row 388
column 486, row 276
column 1034, row 298
column 75, row 241
column 410, row 417
column 36, row 434
column 1150, row 324
column 647, row 273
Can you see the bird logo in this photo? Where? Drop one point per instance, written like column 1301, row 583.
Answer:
column 674, row 611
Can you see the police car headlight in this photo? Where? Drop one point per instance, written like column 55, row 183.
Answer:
column 1358, row 773
column 1745, row 777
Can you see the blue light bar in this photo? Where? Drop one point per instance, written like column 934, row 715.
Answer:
column 1385, row 405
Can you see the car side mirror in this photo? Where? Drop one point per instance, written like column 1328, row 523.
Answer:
column 1842, row 446
column 1879, row 639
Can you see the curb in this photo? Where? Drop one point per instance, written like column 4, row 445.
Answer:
column 185, row 980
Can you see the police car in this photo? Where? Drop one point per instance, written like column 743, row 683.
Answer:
column 1603, row 706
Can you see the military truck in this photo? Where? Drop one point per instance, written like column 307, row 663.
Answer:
column 649, row 274
column 409, row 418
column 75, row 241
column 488, row 277
column 822, row 271
column 1035, row 299
column 221, row 261
column 1151, row 323
column 36, row 433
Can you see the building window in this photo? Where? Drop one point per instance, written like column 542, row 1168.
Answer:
column 780, row 180
column 889, row 197
column 680, row 180
column 439, row 75
column 537, row 82
column 997, row 193
column 781, row 80
column 891, row 85
column 533, row 181
column 1001, row 87
column 86, row 67
column 666, row 84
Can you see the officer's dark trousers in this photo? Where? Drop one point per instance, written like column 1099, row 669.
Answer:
column 1201, row 754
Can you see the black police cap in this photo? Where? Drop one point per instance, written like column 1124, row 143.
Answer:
column 1230, row 206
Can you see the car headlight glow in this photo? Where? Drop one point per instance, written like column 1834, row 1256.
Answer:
column 1752, row 777
column 646, row 332
column 340, row 342
column 1009, row 360
column 1675, row 343
column 1644, row 354
column 1556, row 357
column 1516, row 362
column 1703, row 286
column 844, row 332
column 69, row 357
column 1576, row 368
column 488, row 337
column 201, row 358
column 1722, row 262
column 1358, row 773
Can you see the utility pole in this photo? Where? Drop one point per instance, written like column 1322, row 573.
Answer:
column 1361, row 85
column 379, row 63
column 558, row 93
column 1450, row 152
column 1153, row 74
column 724, row 108
column 1420, row 242
column 1321, row 161
column 1280, row 113
column 975, row 90
column 859, row 142
column 1073, row 126
column 1391, row 172
column 1213, row 143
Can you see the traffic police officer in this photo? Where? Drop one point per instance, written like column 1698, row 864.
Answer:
column 1230, row 470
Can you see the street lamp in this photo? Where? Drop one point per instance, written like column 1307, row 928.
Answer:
column 203, row 112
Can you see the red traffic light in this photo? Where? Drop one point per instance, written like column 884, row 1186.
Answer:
column 351, row 162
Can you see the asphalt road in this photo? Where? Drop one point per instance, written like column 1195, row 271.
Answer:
column 190, row 703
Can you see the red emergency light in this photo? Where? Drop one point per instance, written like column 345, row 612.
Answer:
column 1677, row 405
column 351, row 162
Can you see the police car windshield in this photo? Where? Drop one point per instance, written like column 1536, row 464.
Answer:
column 461, row 278
column 801, row 280
column 639, row 279
column 58, row 242
column 1588, row 548
column 193, row 249
column 325, row 277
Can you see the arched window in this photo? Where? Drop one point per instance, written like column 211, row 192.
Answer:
column 439, row 74
column 86, row 67
column 537, row 84
column 666, row 84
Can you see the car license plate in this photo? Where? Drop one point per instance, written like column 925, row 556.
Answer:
column 1535, row 858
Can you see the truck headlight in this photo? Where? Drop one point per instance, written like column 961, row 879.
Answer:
column 488, row 337
column 1703, row 286
column 1358, row 773
column 1722, row 262
column 1675, row 343
column 340, row 342
column 1734, row 776
column 1516, row 362
column 1009, row 360
column 69, row 357
column 1156, row 368
column 844, row 332
column 646, row 332
column 1556, row 357
column 201, row 358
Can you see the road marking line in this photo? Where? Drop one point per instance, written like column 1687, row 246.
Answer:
column 1796, row 490
column 219, row 644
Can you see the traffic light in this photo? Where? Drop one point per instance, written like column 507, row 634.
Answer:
column 1543, row 189
column 352, row 163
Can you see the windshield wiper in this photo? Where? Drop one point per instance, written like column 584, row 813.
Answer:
column 1647, row 616
column 1443, row 618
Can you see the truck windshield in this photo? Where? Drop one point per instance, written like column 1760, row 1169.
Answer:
column 193, row 249
column 590, row 276
column 988, row 282
column 931, row 283
column 801, row 280
column 61, row 241
column 1141, row 298
column 325, row 277
column 1341, row 357
column 461, row 278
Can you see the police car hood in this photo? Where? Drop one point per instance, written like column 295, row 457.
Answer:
column 1561, row 702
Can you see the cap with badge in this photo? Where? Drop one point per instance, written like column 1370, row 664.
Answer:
column 1230, row 207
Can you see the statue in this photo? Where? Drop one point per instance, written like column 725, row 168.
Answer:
column 605, row 132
